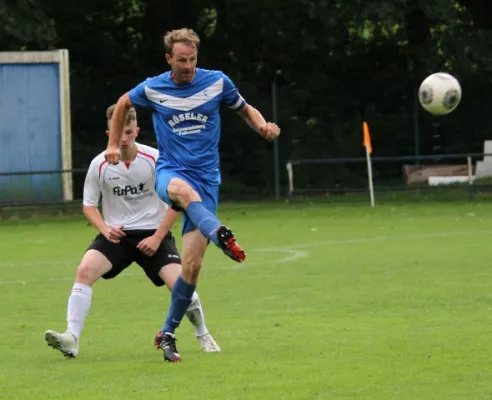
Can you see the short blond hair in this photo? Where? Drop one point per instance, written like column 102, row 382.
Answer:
column 184, row 35
column 131, row 114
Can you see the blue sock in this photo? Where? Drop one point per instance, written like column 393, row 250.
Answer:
column 204, row 220
column 180, row 301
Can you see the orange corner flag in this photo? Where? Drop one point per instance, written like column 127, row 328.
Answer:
column 367, row 137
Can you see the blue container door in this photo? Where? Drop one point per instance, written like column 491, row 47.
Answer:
column 30, row 136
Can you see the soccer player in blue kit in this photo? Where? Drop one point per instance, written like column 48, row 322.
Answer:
column 185, row 103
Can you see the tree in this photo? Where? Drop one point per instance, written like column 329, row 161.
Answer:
column 24, row 25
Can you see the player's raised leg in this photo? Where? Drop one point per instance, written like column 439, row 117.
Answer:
column 91, row 268
column 181, row 193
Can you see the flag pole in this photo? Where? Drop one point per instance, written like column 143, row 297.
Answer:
column 369, row 174
column 368, row 147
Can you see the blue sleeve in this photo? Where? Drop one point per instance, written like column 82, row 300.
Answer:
column 231, row 96
column 138, row 96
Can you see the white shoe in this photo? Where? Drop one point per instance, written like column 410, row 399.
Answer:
column 208, row 344
column 63, row 342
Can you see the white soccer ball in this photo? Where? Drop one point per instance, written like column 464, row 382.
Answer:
column 440, row 93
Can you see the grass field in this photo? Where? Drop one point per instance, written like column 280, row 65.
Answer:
column 335, row 302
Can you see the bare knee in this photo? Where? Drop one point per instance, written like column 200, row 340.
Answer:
column 182, row 193
column 87, row 273
column 191, row 268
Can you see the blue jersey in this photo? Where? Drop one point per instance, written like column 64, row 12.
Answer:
column 187, row 120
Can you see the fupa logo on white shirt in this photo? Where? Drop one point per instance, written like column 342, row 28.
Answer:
column 130, row 190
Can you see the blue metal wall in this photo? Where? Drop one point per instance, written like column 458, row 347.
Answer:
column 30, row 136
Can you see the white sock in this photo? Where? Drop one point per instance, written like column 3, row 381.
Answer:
column 79, row 304
column 195, row 315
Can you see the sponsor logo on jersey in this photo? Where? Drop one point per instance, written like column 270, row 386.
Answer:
column 129, row 192
column 189, row 116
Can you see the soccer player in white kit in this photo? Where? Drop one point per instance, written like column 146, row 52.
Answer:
column 135, row 226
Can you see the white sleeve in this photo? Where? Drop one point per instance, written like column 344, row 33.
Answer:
column 92, row 185
column 154, row 152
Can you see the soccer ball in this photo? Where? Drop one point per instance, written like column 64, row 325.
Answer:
column 440, row 93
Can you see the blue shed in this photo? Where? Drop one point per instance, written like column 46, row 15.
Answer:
column 35, row 134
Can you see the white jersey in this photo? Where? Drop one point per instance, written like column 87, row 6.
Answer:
column 128, row 191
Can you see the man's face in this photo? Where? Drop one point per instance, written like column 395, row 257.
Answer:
column 183, row 62
column 130, row 132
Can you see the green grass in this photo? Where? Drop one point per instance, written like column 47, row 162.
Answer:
column 335, row 302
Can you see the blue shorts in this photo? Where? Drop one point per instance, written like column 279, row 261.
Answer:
column 208, row 193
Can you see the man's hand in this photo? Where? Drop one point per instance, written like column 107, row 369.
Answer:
column 269, row 131
column 149, row 246
column 114, row 233
column 112, row 154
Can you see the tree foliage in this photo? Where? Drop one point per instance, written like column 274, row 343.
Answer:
column 335, row 63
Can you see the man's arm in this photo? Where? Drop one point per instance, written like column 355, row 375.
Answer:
column 95, row 218
column 91, row 197
column 251, row 115
column 149, row 246
column 255, row 120
column 112, row 233
column 167, row 223
column 116, row 126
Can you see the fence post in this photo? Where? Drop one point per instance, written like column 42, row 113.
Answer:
column 416, row 127
column 470, row 170
column 290, row 174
